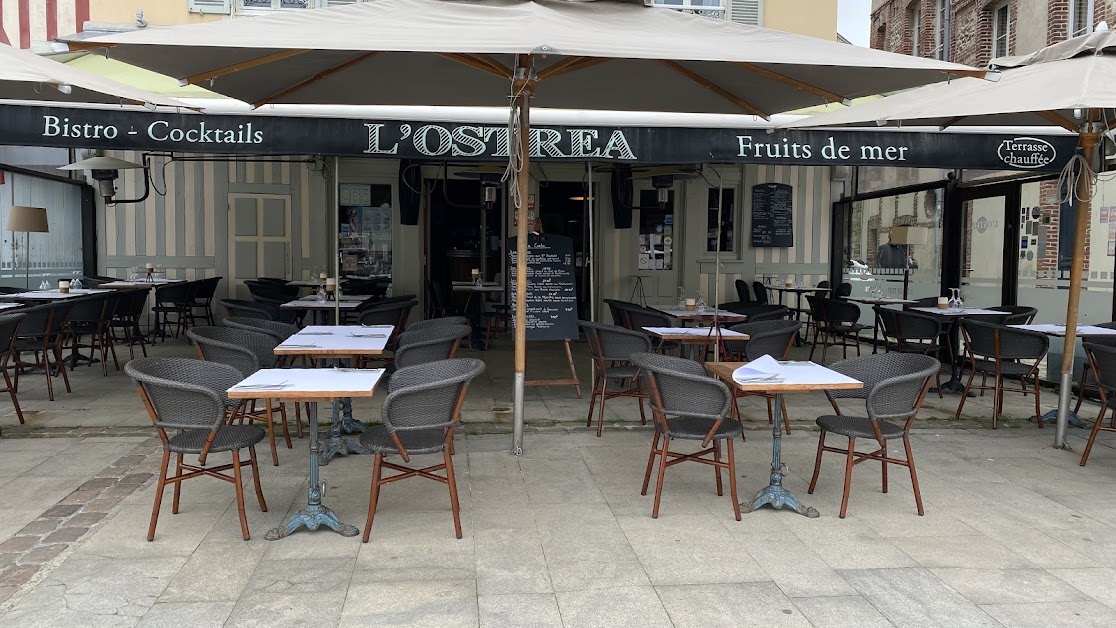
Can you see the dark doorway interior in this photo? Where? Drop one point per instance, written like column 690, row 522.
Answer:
column 564, row 210
column 456, row 208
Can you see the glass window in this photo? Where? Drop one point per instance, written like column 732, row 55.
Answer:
column 278, row 4
column 1081, row 17
column 656, row 232
column 728, row 220
column 914, row 17
column 1001, row 31
column 365, row 230
column 941, row 30
column 708, row 8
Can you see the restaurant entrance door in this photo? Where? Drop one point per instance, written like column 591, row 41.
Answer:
column 990, row 245
column 259, row 239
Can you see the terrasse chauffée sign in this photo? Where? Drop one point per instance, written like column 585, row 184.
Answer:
column 274, row 135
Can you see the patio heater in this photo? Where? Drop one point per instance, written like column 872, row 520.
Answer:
column 907, row 236
column 27, row 220
column 662, row 184
column 490, row 187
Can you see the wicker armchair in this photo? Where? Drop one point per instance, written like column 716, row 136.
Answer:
column 432, row 344
column 1102, row 364
column 611, row 348
column 842, row 328
column 248, row 309
column 275, row 329
column 38, row 344
column 912, row 333
column 997, row 350
column 126, row 319
column 773, row 338
column 420, row 414
column 1086, row 379
column 186, row 401
column 895, row 385
column 247, row 352
column 445, row 321
column 92, row 316
column 9, row 328
column 687, row 404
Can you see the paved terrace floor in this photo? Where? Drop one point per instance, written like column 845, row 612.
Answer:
column 1015, row 532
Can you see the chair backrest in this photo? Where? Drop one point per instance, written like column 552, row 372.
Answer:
column 247, row 309
column 641, row 317
column 909, row 329
column 1016, row 314
column 1102, row 359
column 1000, row 342
column 618, row 311
column 92, row 309
column 838, row 312
column 613, row 343
column 894, row 383
column 742, row 291
column 183, row 394
column 246, row 350
column 438, row 322
column 1108, row 341
column 773, row 338
column 816, row 302
column 393, row 313
column 132, row 303
column 925, row 302
column 9, row 329
column 173, row 293
column 681, row 388
column 428, row 398
column 428, row 345
column 271, row 290
column 824, row 283
column 767, row 312
column 207, row 288
column 275, row 329
column 844, row 289
column 760, row 291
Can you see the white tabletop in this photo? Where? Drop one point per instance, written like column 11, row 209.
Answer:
column 325, row 383
column 120, row 283
column 969, row 311
column 337, row 340
column 677, row 312
column 798, row 289
column 306, row 283
column 802, row 376
column 700, row 332
column 468, row 286
column 315, row 304
column 8, row 306
column 881, row 300
column 1051, row 329
column 54, row 295
column 344, row 298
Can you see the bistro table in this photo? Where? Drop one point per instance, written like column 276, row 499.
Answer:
column 1059, row 330
column 53, row 295
column 798, row 291
column 311, row 385
column 139, row 283
column 338, row 342
column 8, row 306
column 475, row 306
column 694, row 336
column 952, row 315
column 704, row 316
column 321, row 309
column 883, row 301
column 791, row 377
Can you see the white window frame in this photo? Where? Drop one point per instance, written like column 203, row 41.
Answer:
column 1072, row 29
column 1005, row 35
column 692, row 6
column 275, row 6
column 915, row 16
column 941, row 30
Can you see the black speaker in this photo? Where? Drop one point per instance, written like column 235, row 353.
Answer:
column 410, row 192
column 622, row 196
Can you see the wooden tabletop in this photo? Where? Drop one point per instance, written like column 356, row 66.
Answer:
column 798, row 377
column 337, row 340
column 695, row 335
column 307, row 384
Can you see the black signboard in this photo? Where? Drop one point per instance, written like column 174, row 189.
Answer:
column 261, row 134
column 772, row 215
column 551, row 293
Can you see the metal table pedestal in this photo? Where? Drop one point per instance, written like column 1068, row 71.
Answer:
column 774, row 493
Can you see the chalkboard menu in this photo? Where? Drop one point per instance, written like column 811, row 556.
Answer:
column 772, row 215
column 551, row 294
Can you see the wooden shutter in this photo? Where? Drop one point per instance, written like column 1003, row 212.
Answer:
column 746, row 11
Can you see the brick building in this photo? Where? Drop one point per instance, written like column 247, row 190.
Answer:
column 974, row 32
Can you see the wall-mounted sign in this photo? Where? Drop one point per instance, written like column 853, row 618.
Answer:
column 772, row 215
column 128, row 129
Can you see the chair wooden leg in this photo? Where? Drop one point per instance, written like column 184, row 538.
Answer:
column 1038, row 411
column 817, row 463
column 601, row 411
column 593, row 401
column 938, row 381
column 12, row 393
column 270, row 432
column 998, row 401
column 883, row 465
column 717, row 466
column 373, row 496
column 239, row 485
column 786, row 417
column 1093, row 435
column 662, row 476
column 732, row 479
column 286, row 428
column 61, row 364
column 914, row 476
column 639, row 400
column 1081, row 389
column 650, row 462
column 256, row 477
column 46, row 369
column 451, row 480
column 158, row 495
column 848, row 477
column 965, row 395
column 177, row 485
column 770, row 412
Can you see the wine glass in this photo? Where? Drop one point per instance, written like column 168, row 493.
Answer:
column 681, row 298
column 45, row 285
column 75, row 283
column 700, row 303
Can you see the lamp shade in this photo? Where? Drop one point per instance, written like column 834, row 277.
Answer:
column 27, row 219
column 908, row 235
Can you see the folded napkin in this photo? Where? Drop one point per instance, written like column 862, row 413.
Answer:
column 761, row 368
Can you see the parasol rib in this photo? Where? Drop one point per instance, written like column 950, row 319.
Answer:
column 314, row 79
column 483, row 63
column 795, row 83
column 1060, row 120
column 713, row 87
column 243, row 65
column 569, row 64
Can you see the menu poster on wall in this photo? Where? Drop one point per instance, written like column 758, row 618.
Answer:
column 551, row 293
column 772, row 215
column 355, row 194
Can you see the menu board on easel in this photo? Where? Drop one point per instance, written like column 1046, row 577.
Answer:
column 551, row 292
column 772, row 215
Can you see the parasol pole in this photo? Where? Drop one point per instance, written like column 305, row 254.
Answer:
column 1084, row 194
column 717, row 268
column 523, row 84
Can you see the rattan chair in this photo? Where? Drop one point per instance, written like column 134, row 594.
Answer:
column 1086, row 378
column 275, row 329
column 126, row 319
column 394, row 313
column 38, row 345
column 687, row 404
column 895, row 385
column 202, row 300
column 246, row 351
column 773, row 338
column 92, row 316
column 816, row 303
column 1016, row 314
column 431, row 323
column 173, row 299
column 618, row 310
column 1102, row 364
column 841, row 326
column 768, row 312
column 911, row 332
column 431, row 344
column 611, row 348
column 248, row 309
column 760, row 291
column 742, row 294
column 420, row 413
column 186, row 401
column 996, row 350
column 9, row 329
column 640, row 317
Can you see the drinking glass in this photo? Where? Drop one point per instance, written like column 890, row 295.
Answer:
column 45, row 285
column 681, row 298
column 700, row 303
column 75, row 283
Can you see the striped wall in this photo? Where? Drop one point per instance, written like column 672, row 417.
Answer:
column 24, row 23
column 183, row 224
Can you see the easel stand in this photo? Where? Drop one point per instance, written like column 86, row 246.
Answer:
column 572, row 381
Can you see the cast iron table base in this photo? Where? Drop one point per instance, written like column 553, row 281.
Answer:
column 343, row 422
column 774, row 493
